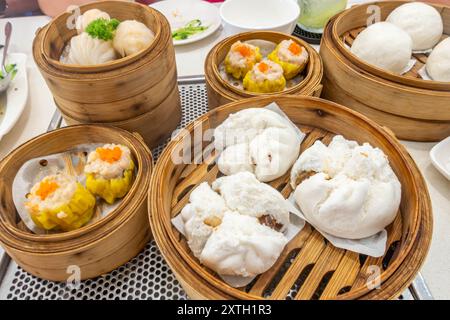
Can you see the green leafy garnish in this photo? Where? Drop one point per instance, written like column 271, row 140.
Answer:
column 191, row 28
column 10, row 68
column 102, row 29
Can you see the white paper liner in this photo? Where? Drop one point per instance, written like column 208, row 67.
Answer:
column 296, row 225
column 424, row 74
column 266, row 47
column 374, row 246
column 32, row 172
column 427, row 51
column 275, row 108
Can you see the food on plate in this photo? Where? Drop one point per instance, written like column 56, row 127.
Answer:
column 191, row 28
column 59, row 202
column 102, row 39
column 438, row 63
column 89, row 16
column 10, row 69
column 257, row 140
column 385, row 46
column 86, row 50
column 265, row 77
column 236, row 226
column 350, row 190
column 132, row 37
column 291, row 56
column 109, row 172
column 241, row 58
column 421, row 21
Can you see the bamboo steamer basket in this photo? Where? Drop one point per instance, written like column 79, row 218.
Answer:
column 309, row 262
column 154, row 126
column 411, row 112
column 116, row 91
column 96, row 248
column 221, row 92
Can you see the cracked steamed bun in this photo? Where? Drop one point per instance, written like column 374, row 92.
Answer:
column 353, row 192
column 259, row 141
column 421, row 21
column 385, row 46
column 438, row 63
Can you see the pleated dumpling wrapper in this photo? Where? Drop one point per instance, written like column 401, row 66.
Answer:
column 236, row 226
column 109, row 172
column 89, row 16
column 347, row 190
column 421, row 21
column 131, row 37
column 59, row 202
column 241, row 58
column 257, row 140
column 438, row 63
column 291, row 56
column 385, row 46
column 86, row 51
column 265, row 77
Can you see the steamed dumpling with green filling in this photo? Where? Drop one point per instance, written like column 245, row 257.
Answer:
column 132, row 37
column 241, row 58
column 265, row 77
column 291, row 56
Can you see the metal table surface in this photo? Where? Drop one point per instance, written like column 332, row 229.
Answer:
column 147, row 276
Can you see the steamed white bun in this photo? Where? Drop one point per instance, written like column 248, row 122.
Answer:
column 354, row 192
column 259, row 141
column 421, row 21
column 91, row 15
column 132, row 37
column 384, row 45
column 438, row 63
column 236, row 227
column 241, row 246
column 85, row 50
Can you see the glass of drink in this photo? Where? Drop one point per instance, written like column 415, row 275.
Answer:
column 314, row 14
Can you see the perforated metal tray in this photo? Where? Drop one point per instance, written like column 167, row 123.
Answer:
column 147, row 276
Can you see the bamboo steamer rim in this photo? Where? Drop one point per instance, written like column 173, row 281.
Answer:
column 103, row 6
column 152, row 56
column 162, row 227
column 337, row 33
column 213, row 59
column 357, row 72
column 135, row 143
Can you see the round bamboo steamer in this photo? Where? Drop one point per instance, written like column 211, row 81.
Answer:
column 154, row 126
column 411, row 113
column 221, row 92
column 324, row 271
column 96, row 248
column 350, row 23
column 116, row 91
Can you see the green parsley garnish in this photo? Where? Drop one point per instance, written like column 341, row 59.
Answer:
column 193, row 27
column 102, row 29
column 10, row 68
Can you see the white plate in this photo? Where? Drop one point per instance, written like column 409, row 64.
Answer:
column 440, row 157
column 16, row 95
column 180, row 12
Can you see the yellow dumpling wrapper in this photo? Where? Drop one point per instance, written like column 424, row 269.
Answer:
column 111, row 189
column 290, row 70
column 239, row 72
column 71, row 216
column 267, row 86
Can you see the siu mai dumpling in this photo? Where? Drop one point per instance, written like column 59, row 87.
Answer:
column 291, row 56
column 265, row 77
column 241, row 58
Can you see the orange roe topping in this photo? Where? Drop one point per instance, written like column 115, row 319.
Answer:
column 46, row 188
column 263, row 67
column 109, row 155
column 244, row 50
column 295, row 49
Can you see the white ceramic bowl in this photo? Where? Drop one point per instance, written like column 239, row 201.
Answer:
column 251, row 15
column 440, row 157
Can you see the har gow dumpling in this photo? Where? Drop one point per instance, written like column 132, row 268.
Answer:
column 89, row 16
column 438, row 63
column 385, row 46
column 421, row 21
column 132, row 37
column 85, row 50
